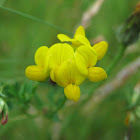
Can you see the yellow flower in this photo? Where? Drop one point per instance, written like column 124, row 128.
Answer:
column 83, row 62
column 63, row 70
column 86, row 58
column 68, row 73
column 75, row 41
column 36, row 72
column 69, row 77
column 69, row 65
column 100, row 48
column 80, row 39
column 57, row 54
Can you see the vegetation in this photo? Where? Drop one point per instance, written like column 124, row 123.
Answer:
column 107, row 110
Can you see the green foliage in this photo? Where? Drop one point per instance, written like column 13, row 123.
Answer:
column 18, row 94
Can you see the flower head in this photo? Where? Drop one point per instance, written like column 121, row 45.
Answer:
column 69, row 65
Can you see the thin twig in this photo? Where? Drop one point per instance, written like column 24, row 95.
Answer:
column 91, row 12
column 116, row 59
column 35, row 19
column 117, row 82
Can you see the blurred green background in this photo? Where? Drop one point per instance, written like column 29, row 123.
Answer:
column 19, row 39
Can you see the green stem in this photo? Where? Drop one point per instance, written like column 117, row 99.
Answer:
column 113, row 64
column 116, row 59
column 34, row 19
column 61, row 105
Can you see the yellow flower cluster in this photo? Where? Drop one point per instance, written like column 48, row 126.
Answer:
column 69, row 65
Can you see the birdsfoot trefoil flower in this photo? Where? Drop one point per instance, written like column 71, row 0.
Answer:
column 69, row 64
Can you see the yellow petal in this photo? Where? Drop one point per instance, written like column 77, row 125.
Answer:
column 80, row 31
column 83, row 40
column 53, row 73
column 63, row 37
column 47, row 69
column 58, row 53
column 72, row 92
column 81, row 64
column 40, row 55
column 62, row 77
column 96, row 74
column 36, row 73
column 89, row 55
column 101, row 49
column 75, row 44
column 68, row 73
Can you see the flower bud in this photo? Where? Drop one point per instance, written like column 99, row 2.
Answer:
column 72, row 92
column 3, row 111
